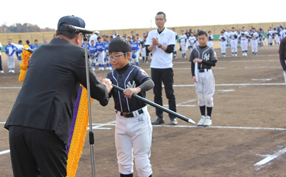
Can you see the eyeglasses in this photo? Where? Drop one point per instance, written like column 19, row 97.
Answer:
column 117, row 56
column 159, row 19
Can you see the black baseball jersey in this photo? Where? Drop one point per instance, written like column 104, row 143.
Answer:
column 207, row 54
column 129, row 76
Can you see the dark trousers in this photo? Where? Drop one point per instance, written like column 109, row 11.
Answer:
column 1, row 67
column 165, row 76
column 36, row 153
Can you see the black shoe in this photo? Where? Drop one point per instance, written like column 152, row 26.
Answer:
column 158, row 121
column 173, row 121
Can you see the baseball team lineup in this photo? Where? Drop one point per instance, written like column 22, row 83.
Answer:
column 46, row 114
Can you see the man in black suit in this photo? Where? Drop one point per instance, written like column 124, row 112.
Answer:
column 40, row 119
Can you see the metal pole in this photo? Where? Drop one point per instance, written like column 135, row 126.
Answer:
column 91, row 135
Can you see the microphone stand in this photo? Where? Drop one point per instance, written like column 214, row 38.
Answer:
column 91, row 134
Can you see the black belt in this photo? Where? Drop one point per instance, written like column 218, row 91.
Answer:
column 202, row 70
column 131, row 114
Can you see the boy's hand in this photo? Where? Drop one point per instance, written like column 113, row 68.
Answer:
column 194, row 79
column 197, row 60
column 130, row 91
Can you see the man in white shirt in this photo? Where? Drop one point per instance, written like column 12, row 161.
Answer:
column 161, row 42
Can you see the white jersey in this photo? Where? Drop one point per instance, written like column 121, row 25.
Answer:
column 94, row 38
column 283, row 33
column 233, row 35
column 243, row 35
column 183, row 39
column 223, row 38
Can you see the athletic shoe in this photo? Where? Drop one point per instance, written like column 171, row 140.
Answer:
column 93, row 68
column 12, row 71
column 146, row 61
column 232, row 55
column 173, row 121
column 235, row 55
column 202, row 121
column 208, row 121
column 9, row 71
column 158, row 121
column 246, row 54
column 1, row 71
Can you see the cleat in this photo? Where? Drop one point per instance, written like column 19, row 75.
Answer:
column 208, row 121
column 158, row 121
column 173, row 121
column 202, row 121
column 1, row 71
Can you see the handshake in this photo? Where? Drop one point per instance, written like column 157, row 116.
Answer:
column 107, row 83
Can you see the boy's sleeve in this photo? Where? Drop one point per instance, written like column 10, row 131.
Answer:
column 146, row 83
column 6, row 49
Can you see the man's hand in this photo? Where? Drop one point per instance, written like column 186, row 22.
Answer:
column 155, row 41
column 130, row 91
column 197, row 60
column 194, row 79
column 107, row 83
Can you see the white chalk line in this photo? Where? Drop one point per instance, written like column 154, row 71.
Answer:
column 223, row 91
column 269, row 158
column 5, row 152
column 261, row 67
column 268, row 79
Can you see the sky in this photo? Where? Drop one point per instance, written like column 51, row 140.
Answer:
column 131, row 14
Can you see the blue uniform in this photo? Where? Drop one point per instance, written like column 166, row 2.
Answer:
column 87, row 45
column 133, row 130
column 108, row 65
column 135, row 47
column 36, row 46
column 10, row 49
column 100, row 48
column 19, row 52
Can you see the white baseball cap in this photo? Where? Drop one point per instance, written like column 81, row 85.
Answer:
column 96, row 32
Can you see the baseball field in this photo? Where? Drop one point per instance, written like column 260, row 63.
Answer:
column 247, row 137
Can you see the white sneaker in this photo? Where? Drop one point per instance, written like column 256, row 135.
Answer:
column 202, row 121
column 93, row 68
column 12, row 71
column 2, row 71
column 235, row 55
column 9, row 71
column 208, row 121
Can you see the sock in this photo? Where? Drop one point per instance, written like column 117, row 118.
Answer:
column 137, row 64
column 147, row 58
column 203, row 110
column 209, row 111
column 130, row 175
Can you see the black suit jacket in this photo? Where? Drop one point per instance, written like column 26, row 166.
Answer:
column 50, row 88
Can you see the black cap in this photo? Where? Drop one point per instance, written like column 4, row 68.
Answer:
column 71, row 20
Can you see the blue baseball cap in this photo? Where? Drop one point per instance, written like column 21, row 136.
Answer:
column 71, row 20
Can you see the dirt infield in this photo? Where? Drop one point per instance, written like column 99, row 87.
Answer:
column 247, row 137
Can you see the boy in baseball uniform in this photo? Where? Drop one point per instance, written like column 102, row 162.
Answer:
column 134, row 51
column 191, row 41
column 223, row 42
column 92, row 51
column 100, row 53
column 183, row 43
column 210, row 41
column 133, row 130
column 254, row 42
column 243, row 36
column 10, row 50
column 106, row 54
column 203, row 58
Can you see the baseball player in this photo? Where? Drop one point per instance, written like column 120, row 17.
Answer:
column 233, row 41
column 36, row 42
column 261, row 40
column 134, row 51
column 94, row 37
column 10, row 50
column 223, row 43
column 144, row 52
column 106, row 54
column 92, row 54
column 30, row 45
column 282, row 33
column 203, row 58
column 139, row 40
column 210, row 41
column 282, row 56
column 191, row 41
column 270, row 36
column 1, row 67
column 175, row 48
column 19, row 51
column 183, row 43
column 133, row 130
column 254, row 42
column 243, row 36
column 100, row 53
